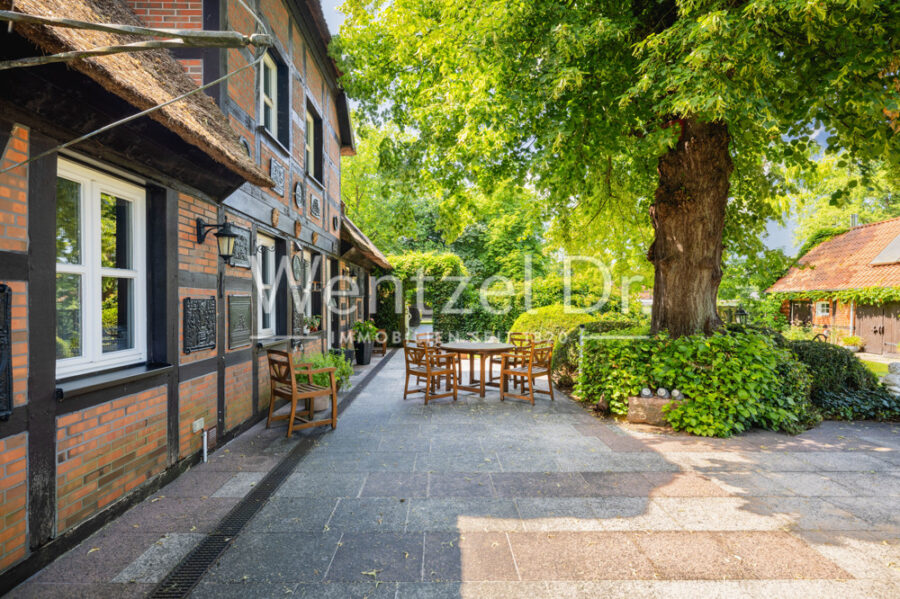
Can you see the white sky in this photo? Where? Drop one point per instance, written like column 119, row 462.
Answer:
column 332, row 14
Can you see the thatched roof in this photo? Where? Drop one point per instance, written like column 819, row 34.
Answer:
column 363, row 250
column 143, row 79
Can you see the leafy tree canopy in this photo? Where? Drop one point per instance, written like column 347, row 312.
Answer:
column 581, row 99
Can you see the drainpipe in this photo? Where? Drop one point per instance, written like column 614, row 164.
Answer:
column 852, row 319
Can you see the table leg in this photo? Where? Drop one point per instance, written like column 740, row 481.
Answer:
column 482, row 357
column 471, row 368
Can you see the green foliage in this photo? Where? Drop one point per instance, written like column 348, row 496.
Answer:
column 364, row 330
column 852, row 340
column 818, row 237
column 581, row 99
column 567, row 352
column 731, row 381
column 861, row 404
column 549, row 322
column 864, row 295
column 342, row 374
column 803, row 332
column 833, row 368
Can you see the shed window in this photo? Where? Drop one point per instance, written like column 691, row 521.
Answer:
column 823, row 308
column 101, row 312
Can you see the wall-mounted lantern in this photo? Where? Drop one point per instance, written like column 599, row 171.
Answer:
column 225, row 237
column 741, row 314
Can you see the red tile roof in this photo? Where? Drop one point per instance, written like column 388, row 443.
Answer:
column 844, row 262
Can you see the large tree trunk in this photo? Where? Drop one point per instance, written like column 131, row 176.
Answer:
column 688, row 215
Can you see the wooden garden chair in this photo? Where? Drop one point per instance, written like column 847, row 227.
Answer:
column 429, row 365
column 527, row 365
column 521, row 341
column 381, row 338
column 283, row 375
column 430, row 339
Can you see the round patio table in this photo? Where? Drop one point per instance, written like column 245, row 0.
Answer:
column 483, row 351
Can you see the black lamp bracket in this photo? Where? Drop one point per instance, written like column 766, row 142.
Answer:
column 203, row 229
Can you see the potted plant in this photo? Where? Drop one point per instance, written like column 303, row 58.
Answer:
column 342, row 374
column 364, row 332
column 852, row 342
column 312, row 322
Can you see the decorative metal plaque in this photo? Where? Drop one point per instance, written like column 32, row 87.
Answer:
column 276, row 173
column 199, row 324
column 298, row 320
column 239, row 320
column 315, row 207
column 299, row 194
column 6, row 395
column 241, row 256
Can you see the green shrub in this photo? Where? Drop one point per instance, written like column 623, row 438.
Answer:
column 860, row 404
column 342, row 374
column 567, row 353
column 731, row 381
column 549, row 321
column 833, row 368
column 843, row 388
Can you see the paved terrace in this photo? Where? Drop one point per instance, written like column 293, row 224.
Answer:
column 482, row 499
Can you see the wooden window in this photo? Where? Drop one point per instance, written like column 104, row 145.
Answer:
column 269, row 95
column 314, row 150
column 101, row 271
column 823, row 308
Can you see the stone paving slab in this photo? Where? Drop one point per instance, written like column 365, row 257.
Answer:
column 483, row 499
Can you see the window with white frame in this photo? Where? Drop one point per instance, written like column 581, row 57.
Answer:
column 269, row 95
column 266, row 310
column 314, row 150
column 101, row 296
column 823, row 308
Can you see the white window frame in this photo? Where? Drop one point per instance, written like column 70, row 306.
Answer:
column 310, row 143
column 823, row 308
column 93, row 184
column 266, row 99
column 266, row 260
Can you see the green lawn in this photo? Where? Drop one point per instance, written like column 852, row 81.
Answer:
column 879, row 368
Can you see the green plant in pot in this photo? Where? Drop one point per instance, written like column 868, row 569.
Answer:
column 343, row 372
column 312, row 322
column 852, row 342
column 364, row 332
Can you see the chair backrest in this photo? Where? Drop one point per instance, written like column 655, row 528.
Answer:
column 542, row 354
column 281, row 368
column 521, row 339
column 415, row 355
column 429, row 339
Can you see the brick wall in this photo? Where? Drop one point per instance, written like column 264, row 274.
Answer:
column 197, row 257
column 178, row 14
column 14, row 194
column 104, row 452
column 238, row 394
column 194, row 68
column 197, row 398
column 13, row 498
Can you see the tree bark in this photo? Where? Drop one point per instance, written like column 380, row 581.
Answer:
column 688, row 216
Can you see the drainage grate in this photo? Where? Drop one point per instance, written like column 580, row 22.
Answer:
column 185, row 576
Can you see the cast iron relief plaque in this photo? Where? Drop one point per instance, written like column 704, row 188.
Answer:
column 241, row 256
column 314, row 207
column 299, row 194
column 199, row 324
column 276, row 173
column 6, row 398
column 238, row 321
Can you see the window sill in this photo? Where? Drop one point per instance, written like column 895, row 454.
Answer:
column 268, row 135
column 95, row 382
column 312, row 178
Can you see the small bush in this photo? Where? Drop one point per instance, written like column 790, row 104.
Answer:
column 567, row 353
column 342, row 374
column 731, row 381
column 833, row 368
column 549, row 321
column 843, row 388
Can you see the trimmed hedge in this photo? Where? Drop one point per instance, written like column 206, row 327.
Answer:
column 549, row 321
